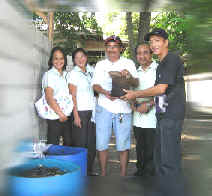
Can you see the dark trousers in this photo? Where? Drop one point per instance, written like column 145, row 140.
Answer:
column 144, row 149
column 85, row 136
column 167, row 152
column 57, row 129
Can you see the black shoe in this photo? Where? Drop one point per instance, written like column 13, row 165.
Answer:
column 138, row 173
column 92, row 174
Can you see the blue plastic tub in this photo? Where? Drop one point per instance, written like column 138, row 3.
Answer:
column 25, row 146
column 71, row 154
column 61, row 185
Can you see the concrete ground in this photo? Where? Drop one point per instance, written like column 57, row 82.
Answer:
column 196, row 162
column 196, row 155
column 114, row 164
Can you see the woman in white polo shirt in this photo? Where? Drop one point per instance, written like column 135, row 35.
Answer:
column 53, row 83
column 83, row 130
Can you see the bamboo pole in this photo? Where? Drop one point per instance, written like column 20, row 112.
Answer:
column 51, row 26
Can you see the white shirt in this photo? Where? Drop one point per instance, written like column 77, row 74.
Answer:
column 56, row 81
column 82, row 81
column 146, row 80
column 102, row 78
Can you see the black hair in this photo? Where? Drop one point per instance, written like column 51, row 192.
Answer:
column 76, row 51
column 136, row 48
column 57, row 48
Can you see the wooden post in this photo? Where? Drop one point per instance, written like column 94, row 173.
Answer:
column 49, row 20
column 51, row 26
column 42, row 15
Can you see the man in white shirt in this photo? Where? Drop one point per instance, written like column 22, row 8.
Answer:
column 112, row 112
column 144, row 119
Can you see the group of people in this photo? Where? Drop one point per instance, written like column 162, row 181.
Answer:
column 78, row 129
column 154, row 107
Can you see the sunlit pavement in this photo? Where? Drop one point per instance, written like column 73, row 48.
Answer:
column 197, row 159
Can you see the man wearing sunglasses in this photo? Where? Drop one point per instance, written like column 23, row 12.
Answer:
column 112, row 112
column 169, row 93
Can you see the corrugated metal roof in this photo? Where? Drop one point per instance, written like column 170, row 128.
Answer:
column 93, row 5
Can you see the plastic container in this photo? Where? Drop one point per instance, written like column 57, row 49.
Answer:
column 24, row 146
column 63, row 185
column 71, row 154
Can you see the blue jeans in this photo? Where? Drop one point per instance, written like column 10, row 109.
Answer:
column 105, row 121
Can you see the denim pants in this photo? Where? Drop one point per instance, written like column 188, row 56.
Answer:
column 167, row 152
column 105, row 122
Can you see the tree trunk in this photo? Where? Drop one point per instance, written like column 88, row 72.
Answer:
column 130, row 34
column 144, row 25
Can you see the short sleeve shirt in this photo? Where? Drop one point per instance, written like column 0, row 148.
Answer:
column 170, row 71
column 56, row 81
column 102, row 78
column 82, row 81
column 146, row 80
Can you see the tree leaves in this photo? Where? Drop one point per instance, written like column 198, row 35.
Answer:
column 72, row 28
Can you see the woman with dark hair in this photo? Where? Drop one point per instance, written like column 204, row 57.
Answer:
column 79, row 82
column 54, row 84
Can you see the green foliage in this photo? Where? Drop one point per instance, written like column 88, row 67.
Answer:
column 175, row 25
column 199, row 14
column 114, row 22
column 123, row 33
column 72, row 28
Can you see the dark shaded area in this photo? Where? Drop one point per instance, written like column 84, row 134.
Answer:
column 135, row 186
column 37, row 172
column 119, row 83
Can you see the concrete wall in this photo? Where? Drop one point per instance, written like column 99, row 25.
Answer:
column 199, row 94
column 23, row 58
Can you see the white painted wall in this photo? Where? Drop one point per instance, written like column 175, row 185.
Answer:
column 199, row 91
column 23, row 58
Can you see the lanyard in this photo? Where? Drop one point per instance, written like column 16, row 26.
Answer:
column 88, row 76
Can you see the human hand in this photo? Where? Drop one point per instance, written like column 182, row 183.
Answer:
column 130, row 95
column 107, row 94
column 126, row 73
column 63, row 118
column 142, row 108
column 132, row 105
column 77, row 121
